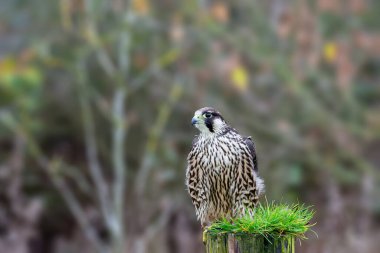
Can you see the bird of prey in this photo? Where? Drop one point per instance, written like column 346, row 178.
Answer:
column 222, row 174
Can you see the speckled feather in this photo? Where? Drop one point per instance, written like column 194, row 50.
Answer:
column 222, row 176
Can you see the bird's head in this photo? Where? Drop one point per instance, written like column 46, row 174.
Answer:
column 209, row 121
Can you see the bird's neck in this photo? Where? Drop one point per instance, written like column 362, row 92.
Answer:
column 221, row 130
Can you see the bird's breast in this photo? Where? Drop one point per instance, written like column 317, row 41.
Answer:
column 221, row 154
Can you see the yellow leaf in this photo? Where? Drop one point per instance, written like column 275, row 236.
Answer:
column 240, row 77
column 330, row 51
column 220, row 12
column 7, row 66
column 141, row 6
column 169, row 57
column 11, row 71
column 8, row 71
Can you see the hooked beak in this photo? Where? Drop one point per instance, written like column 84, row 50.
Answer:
column 194, row 121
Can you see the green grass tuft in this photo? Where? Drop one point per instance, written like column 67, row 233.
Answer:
column 269, row 220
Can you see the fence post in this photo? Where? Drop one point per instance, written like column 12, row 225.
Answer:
column 248, row 243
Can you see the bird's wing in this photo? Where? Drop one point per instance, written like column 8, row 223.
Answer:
column 194, row 180
column 251, row 145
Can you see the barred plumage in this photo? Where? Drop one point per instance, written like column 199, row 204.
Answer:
column 222, row 174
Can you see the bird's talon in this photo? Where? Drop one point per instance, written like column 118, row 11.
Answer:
column 204, row 235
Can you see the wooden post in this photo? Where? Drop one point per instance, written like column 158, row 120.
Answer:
column 248, row 243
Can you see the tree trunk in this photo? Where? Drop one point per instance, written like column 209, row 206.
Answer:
column 246, row 243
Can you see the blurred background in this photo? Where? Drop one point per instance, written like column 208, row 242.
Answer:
column 96, row 99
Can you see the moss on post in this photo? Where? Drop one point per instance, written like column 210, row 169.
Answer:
column 273, row 229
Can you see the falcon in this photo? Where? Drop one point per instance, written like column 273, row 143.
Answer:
column 222, row 174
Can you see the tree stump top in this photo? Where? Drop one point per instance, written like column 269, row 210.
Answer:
column 248, row 243
column 273, row 228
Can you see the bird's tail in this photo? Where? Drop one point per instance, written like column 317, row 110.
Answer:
column 260, row 185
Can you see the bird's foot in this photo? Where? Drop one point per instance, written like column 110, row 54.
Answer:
column 204, row 234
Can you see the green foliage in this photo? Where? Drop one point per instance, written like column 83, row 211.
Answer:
column 270, row 220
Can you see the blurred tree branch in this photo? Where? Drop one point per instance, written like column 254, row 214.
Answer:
column 91, row 149
column 153, row 138
column 119, row 132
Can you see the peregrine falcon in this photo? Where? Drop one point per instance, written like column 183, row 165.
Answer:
column 222, row 174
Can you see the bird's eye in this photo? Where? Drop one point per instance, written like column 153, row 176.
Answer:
column 207, row 115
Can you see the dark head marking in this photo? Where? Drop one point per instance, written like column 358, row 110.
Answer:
column 210, row 114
